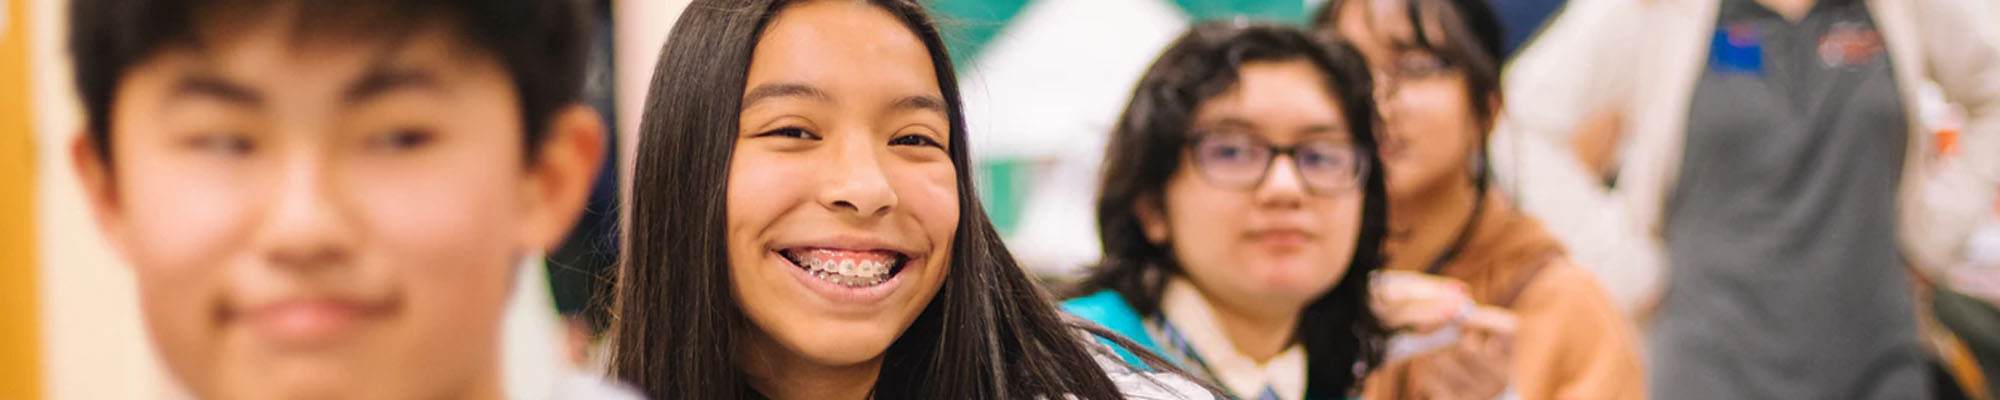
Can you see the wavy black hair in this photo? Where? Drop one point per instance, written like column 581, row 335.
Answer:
column 1342, row 337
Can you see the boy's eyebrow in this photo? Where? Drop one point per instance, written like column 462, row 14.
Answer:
column 784, row 89
column 379, row 80
column 204, row 84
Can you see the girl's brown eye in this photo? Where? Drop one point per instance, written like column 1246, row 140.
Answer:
column 915, row 140
column 794, row 133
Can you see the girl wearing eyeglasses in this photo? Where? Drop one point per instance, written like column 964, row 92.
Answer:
column 1241, row 214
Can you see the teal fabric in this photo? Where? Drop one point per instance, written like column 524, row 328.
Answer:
column 1110, row 310
column 1282, row 11
column 970, row 24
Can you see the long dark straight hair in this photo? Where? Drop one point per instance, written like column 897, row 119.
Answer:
column 1342, row 337
column 990, row 332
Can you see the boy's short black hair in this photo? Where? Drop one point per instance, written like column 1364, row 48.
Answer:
column 542, row 44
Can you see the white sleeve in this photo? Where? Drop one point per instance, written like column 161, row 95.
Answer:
column 1962, row 56
column 1579, row 66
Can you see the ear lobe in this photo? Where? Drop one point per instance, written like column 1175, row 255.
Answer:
column 564, row 169
column 100, row 188
column 1152, row 220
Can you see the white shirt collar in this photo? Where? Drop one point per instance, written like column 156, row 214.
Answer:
column 1184, row 307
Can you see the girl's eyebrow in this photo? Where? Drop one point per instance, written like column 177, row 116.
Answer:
column 784, row 89
column 922, row 102
column 918, row 102
column 1326, row 129
column 1227, row 123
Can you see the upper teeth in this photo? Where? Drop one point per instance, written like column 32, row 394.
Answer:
column 846, row 272
column 850, row 267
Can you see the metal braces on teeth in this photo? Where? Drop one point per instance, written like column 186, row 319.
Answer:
column 850, row 273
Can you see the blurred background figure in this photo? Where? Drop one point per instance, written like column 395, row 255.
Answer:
column 1437, row 64
column 331, row 198
column 76, row 299
column 1755, row 178
column 1241, row 219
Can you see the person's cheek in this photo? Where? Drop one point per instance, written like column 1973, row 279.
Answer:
column 184, row 226
column 929, row 193
column 1443, row 117
column 1427, row 149
column 930, row 190
column 449, row 215
column 762, row 186
column 186, row 214
column 1202, row 222
column 1342, row 224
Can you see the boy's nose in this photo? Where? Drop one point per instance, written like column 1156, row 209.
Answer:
column 304, row 226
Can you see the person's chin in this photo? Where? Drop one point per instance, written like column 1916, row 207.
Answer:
column 1400, row 187
column 844, row 346
column 368, row 362
column 295, row 380
column 1294, row 279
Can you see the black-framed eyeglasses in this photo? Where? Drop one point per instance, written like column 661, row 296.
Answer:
column 1240, row 161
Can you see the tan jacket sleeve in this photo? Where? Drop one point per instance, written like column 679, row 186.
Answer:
column 1573, row 342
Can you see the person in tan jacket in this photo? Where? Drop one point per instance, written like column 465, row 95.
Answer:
column 1439, row 91
column 1570, row 340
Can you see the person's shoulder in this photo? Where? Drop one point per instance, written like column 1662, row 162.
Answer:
column 1564, row 288
column 1565, row 274
column 1157, row 386
column 1108, row 309
column 1097, row 305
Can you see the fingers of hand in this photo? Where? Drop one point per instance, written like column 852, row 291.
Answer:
column 1493, row 321
column 1415, row 301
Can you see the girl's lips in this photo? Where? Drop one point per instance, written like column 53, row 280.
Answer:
column 1281, row 238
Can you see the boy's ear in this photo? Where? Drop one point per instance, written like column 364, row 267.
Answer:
column 564, row 169
column 100, row 189
column 1152, row 219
